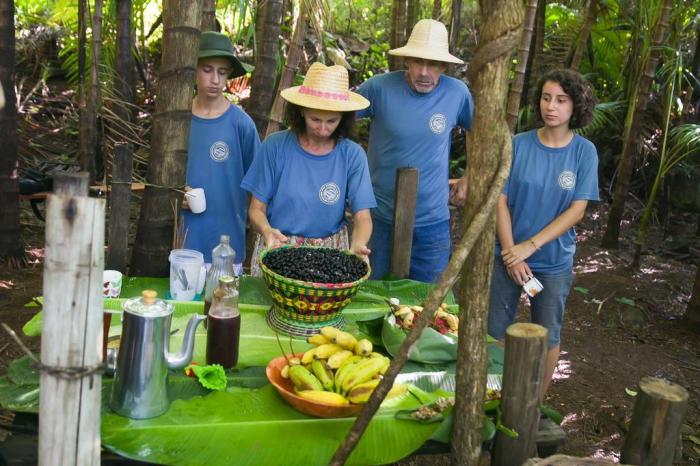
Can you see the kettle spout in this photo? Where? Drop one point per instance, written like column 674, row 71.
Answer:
column 184, row 357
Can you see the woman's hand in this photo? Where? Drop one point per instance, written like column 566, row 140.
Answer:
column 185, row 204
column 519, row 273
column 518, row 253
column 361, row 250
column 274, row 238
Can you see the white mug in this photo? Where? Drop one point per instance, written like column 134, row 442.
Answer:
column 111, row 283
column 196, row 200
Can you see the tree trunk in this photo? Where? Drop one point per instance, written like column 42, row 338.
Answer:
column 268, row 24
column 516, row 87
column 86, row 146
column 534, row 66
column 398, row 32
column 209, row 16
column 489, row 141
column 412, row 9
column 124, row 63
column 437, row 9
column 632, row 132
column 692, row 312
column 294, row 56
column 455, row 25
column 169, row 138
column 10, row 245
column 584, row 34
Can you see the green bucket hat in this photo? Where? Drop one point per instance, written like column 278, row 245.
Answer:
column 215, row 44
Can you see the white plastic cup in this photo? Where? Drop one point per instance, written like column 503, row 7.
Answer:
column 111, row 283
column 532, row 287
column 186, row 268
column 196, row 200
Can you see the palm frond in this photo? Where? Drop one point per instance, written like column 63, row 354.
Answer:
column 608, row 117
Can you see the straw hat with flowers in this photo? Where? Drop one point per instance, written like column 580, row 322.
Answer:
column 428, row 41
column 325, row 88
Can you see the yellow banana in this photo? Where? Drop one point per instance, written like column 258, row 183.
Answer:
column 453, row 321
column 327, row 398
column 308, row 356
column 408, row 320
column 376, row 355
column 337, row 359
column 363, row 347
column 323, row 374
column 403, row 311
column 303, row 379
column 345, row 340
column 318, row 339
column 326, row 351
column 329, row 332
column 294, row 361
column 385, row 367
column 397, row 389
column 440, row 313
column 285, row 371
column 360, row 393
column 417, row 308
column 362, row 372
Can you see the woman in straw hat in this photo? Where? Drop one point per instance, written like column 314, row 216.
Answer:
column 223, row 142
column 305, row 175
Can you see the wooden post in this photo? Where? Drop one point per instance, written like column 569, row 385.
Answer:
column 404, row 218
column 69, row 400
column 656, row 422
column 119, row 207
column 71, row 184
column 523, row 371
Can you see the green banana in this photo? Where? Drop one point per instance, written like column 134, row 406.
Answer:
column 345, row 369
column 303, row 379
column 323, row 374
column 363, row 372
column 337, row 359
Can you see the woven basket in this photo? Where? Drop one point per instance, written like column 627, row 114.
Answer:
column 302, row 308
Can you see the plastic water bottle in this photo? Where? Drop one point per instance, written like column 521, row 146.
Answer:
column 222, row 259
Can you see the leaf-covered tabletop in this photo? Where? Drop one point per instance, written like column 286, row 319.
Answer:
column 250, row 423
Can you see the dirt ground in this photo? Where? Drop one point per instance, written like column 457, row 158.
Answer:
column 620, row 326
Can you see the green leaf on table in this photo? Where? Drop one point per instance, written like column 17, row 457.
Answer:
column 220, row 427
column 21, row 372
column 581, row 289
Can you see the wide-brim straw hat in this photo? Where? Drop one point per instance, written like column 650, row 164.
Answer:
column 428, row 41
column 325, row 88
column 216, row 44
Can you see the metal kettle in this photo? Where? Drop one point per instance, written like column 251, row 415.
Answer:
column 140, row 389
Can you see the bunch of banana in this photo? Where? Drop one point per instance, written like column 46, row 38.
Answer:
column 339, row 370
column 443, row 322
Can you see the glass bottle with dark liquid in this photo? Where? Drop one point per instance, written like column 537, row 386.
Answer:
column 224, row 324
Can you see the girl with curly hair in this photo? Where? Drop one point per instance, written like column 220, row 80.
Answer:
column 553, row 176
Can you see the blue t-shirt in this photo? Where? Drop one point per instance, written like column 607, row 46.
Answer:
column 220, row 151
column 305, row 193
column 410, row 129
column 543, row 183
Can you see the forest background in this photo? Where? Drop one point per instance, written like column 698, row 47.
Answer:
column 80, row 77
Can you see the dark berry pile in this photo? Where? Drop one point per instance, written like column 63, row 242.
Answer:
column 316, row 265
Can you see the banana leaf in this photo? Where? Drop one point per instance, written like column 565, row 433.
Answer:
column 432, row 347
column 256, row 427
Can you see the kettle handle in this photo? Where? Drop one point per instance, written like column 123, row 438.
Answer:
column 184, row 356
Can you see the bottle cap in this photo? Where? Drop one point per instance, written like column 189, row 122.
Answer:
column 224, row 239
column 226, row 280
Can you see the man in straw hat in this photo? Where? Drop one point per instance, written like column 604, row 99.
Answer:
column 305, row 175
column 412, row 114
column 223, row 143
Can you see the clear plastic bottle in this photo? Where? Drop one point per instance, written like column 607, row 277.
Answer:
column 224, row 325
column 222, row 258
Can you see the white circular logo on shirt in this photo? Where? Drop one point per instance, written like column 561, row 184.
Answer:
column 567, row 180
column 218, row 151
column 329, row 193
column 438, row 123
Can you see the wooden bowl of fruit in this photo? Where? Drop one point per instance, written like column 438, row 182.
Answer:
column 312, row 407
